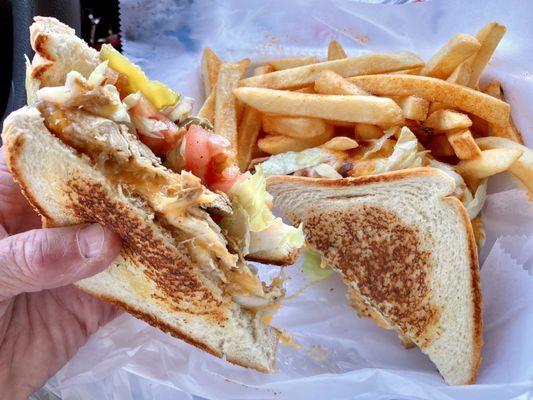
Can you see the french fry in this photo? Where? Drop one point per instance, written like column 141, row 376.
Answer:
column 208, row 108
column 243, row 67
column 494, row 89
column 510, row 131
column 436, row 105
column 365, row 109
column 446, row 120
column 440, row 147
column 340, row 124
column 362, row 168
column 461, row 74
column 464, row 145
column 414, row 107
column 295, row 127
column 411, row 71
column 247, row 136
column 307, row 89
column 263, row 69
column 210, row 66
column 226, row 114
column 479, row 127
column 522, row 169
column 489, row 36
column 249, row 129
column 454, row 52
column 454, row 96
column 335, row 51
column 367, row 132
column 274, row 144
column 340, row 143
column 368, row 64
column 488, row 163
column 328, row 82
column 291, row 62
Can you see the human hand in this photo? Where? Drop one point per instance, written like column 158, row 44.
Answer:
column 44, row 319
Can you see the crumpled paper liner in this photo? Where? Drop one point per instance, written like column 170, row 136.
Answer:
column 343, row 355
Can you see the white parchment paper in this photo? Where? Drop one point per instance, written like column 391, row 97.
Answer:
column 344, row 356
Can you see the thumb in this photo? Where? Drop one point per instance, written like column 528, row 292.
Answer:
column 48, row 258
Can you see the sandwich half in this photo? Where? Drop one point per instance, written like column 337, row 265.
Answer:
column 160, row 276
column 100, row 142
column 405, row 248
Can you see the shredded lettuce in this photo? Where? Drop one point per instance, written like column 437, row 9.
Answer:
column 378, row 144
column 275, row 236
column 474, row 204
column 291, row 161
column 32, row 85
column 448, row 170
column 327, row 171
column 252, row 195
column 252, row 225
column 405, row 154
column 313, row 267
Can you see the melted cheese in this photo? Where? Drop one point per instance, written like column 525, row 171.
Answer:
column 287, row 339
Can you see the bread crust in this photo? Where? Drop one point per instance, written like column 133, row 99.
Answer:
column 477, row 310
column 356, row 181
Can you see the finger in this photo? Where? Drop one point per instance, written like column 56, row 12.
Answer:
column 16, row 214
column 49, row 258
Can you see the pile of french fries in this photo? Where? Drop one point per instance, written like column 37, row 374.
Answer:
column 295, row 103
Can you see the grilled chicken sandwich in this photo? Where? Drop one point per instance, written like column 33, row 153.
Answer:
column 404, row 245
column 100, row 142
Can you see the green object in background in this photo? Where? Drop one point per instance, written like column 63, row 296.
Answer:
column 313, row 268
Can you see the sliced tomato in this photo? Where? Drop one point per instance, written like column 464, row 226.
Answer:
column 154, row 129
column 209, row 156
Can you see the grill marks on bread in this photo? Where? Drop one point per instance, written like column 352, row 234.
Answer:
column 171, row 273
column 388, row 263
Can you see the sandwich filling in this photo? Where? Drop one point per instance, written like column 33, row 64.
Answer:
column 92, row 116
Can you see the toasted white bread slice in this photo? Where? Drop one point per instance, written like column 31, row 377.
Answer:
column 58, row 51
column 153, row 278
column 406, row 246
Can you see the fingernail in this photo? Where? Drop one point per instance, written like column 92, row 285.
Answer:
column 90, row 240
